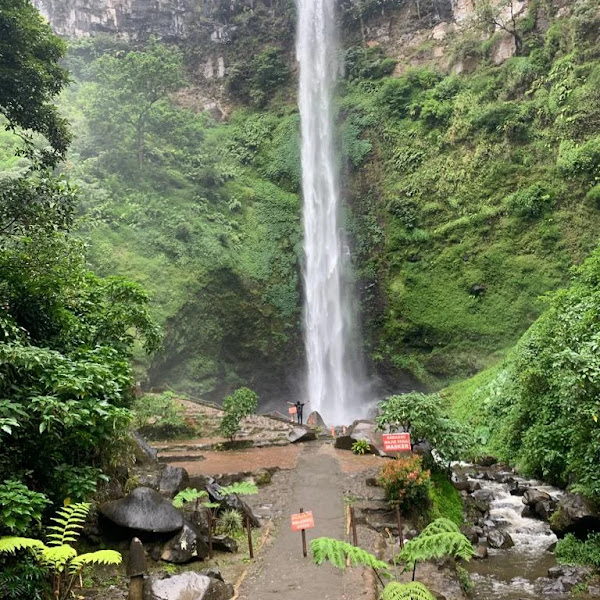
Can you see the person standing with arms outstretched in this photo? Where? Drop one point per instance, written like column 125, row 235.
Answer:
column 299, row 409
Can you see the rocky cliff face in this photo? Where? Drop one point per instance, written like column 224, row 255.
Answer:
column 131, row 19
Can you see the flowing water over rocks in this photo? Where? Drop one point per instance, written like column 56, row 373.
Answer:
column 520, row 572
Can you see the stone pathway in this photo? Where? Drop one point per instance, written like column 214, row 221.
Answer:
column 282, row 571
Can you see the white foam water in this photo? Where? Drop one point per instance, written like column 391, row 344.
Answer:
column 335, row 380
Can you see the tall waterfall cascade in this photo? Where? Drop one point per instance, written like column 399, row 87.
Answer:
column 335, row 381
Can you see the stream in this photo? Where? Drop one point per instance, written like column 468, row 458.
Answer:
column 521, row 572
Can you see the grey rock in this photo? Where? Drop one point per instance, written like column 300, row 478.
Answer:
column 185, row 546
column 145, row 511
column 467, row 485
column 144, row 453
column 481, row 552
column 187, row 586
column 575, row 514
column 316, row 420
column 470, row 533
column 223, row 543
column 532, row 496
column 300, row 434
column 528, row 512
column 500, row 539
column 172, row 480
column 515, row 489
column 362, row 430
column 485, row 496
column 486, row 461
column 232, row 501
column 544, row 510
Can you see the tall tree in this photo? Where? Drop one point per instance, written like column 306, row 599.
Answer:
column 31, row 77
column 500, row 15
column 129, row 87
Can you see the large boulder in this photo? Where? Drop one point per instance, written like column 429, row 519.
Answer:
column 301, row 434
column 316, row 420
column 187, row 586
column 144, row 453
column 172, row 480
column 232, row 501
column 575, row 514
column 532, row 496
column 185, row 546
column 144, row 513
column 541, row 503
column 499, row 539
column 362, row 430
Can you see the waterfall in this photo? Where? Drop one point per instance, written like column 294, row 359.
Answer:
column 334, row 380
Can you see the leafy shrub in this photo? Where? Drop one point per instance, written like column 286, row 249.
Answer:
column 360, row 447
column 240, row 404
column 580, row 159
column 20, row 508
column 593, row 195
column 426, row 418
column 406, row 483
column 435, row 113
column 60, row 560
column 531, row 202
column 78, row 483
column 230, row 522
column 162, row 417
column 21, row 577
column 573, row 551
column 367, row 63
column 440, row 538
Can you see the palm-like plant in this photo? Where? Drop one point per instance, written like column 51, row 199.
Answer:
column 440, row 538
column 63, row 562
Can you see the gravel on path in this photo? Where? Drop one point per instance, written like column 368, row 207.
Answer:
column 282, row 571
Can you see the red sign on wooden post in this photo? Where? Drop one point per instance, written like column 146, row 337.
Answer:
column 303, row 520
column 396, row 442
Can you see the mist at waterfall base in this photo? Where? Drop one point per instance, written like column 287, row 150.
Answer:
column 336, row 384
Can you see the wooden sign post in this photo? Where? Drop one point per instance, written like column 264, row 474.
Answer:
column 301, row 522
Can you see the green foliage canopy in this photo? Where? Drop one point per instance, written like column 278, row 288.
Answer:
column 31, row 77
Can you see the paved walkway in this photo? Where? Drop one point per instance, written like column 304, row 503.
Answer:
column 282, row 571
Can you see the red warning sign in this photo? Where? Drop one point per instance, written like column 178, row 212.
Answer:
column 303, row 520
column 396, row 442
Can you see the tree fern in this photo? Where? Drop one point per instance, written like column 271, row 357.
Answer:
column 243, row 488
column 438, row 539
column 10, row 545
column 57, row 557
column 188, row 495
column 100, row 557
column 338, row 553
column 406, row 591
column 69, row 521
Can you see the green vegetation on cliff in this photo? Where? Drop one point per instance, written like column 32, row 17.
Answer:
column 478, row 196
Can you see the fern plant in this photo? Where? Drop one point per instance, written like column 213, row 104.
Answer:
column 241, row 488
column 406, row 591
column 188, row 495
column 339, row 553
column 63, row 562
column 440, row 538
